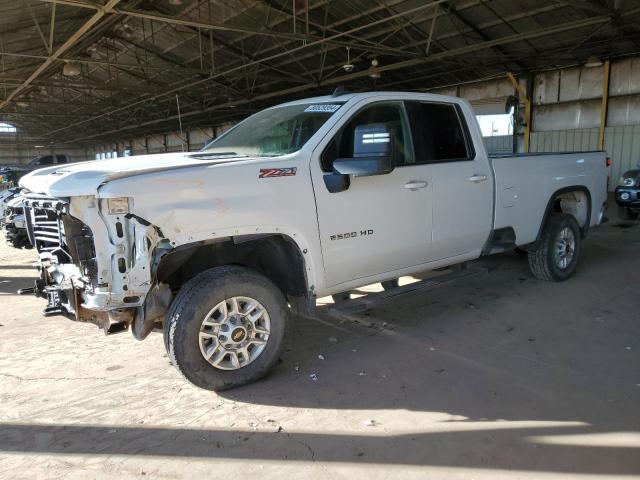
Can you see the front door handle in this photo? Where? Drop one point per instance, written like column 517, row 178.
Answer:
column 415, row 185
column 477, row 178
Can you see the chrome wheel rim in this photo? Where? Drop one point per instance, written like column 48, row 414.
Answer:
column 234, row 333
column 565, row 248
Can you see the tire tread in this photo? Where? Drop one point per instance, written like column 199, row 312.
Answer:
column 192, row 290
column 539, row 259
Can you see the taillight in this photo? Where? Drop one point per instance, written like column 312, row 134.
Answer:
column 608, row 162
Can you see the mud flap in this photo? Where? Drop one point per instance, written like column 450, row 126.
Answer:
column 153, row 311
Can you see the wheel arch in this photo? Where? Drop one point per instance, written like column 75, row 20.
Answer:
column 277, row 256
column 555, row 204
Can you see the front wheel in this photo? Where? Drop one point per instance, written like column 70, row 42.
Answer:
column 557, row 255
column 226, row 327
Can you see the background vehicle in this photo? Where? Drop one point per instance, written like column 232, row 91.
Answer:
column 303, row 200
column 628, row 194
column 41, row 161
column 14, row 223
column 12, row 173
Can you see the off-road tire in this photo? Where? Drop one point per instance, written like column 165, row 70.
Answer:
column 626, row 213
column 541, row 261
column 192, row 303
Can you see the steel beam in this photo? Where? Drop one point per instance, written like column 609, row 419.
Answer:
column 278, row 55
column 527, row 109
column 160, row 17
column 103, row 63
column 468, row 49
column 604, row 108
column 63, row 48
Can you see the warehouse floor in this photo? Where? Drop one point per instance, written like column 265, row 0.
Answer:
column 498, row 377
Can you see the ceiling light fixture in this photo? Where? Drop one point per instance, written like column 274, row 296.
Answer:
column 593, row 61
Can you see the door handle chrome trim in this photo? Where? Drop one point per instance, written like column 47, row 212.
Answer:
column 415, row 185
column 477, row 178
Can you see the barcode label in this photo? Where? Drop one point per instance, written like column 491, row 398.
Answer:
column 323, row 107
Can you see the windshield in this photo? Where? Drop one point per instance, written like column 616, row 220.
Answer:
column 275, row 131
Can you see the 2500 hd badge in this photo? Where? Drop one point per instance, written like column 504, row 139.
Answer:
column 343, row 236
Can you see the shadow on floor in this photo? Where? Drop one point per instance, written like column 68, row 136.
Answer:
column 468, row 449
column 11, row 285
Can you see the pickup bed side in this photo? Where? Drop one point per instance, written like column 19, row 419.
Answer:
column 528, row 187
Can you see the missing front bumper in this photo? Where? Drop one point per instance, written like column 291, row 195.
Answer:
column 67, row 303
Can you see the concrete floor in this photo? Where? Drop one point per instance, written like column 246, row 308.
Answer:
column 498, row 377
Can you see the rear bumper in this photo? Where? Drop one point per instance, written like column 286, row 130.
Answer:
column 628, row 197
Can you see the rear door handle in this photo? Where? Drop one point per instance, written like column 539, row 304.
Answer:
column 477, row 178
column 415, row 185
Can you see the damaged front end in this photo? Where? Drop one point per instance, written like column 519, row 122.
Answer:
column 95, row 262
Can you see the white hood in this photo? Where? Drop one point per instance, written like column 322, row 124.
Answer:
column 85, row 178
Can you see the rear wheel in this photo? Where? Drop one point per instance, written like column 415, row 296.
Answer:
column 557, row 255
column 226, row 327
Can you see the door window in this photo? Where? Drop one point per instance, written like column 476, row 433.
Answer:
column 439, row 130
column 391, row 114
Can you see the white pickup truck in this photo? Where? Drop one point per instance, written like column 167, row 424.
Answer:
column 302, row 200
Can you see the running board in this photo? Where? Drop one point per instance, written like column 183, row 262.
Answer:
column 372, row 300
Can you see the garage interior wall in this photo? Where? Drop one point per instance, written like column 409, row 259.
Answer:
column 566, row 111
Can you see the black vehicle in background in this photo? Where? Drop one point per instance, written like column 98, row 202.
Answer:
column 35, row 163
column 628, row 194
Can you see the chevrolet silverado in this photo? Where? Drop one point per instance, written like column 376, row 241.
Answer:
column 302, row 200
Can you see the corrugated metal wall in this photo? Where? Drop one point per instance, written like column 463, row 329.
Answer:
column 578, row 140
column 499, row 144
column 621, row 142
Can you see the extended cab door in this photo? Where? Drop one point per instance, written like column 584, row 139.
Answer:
column 379, row 223
column 461, row 178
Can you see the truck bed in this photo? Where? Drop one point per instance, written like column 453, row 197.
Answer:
column 525, row 182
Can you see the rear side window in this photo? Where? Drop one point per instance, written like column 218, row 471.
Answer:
column 439, row 128
column 62, row 158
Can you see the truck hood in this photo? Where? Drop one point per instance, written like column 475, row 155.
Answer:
column 76, row 179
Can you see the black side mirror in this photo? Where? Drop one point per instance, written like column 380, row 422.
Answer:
column 373, row 152
column 511, row 104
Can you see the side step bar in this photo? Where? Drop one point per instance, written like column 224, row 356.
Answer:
column 372, row 300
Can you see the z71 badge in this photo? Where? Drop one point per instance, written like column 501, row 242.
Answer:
column 277, row 172
column 343, row 236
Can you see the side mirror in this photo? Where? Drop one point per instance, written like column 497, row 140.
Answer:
column 373, row 152
column 511, row 104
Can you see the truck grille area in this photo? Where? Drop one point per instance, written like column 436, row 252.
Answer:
column 47, row 230
column 63, row 238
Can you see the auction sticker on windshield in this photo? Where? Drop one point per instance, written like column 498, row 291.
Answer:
column 323, row 107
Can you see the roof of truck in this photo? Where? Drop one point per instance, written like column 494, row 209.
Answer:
column 344, row 97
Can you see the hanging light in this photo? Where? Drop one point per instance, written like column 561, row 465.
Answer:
column 71, row 70
column 348, row 67
column 593, row 61
column 373, row 69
